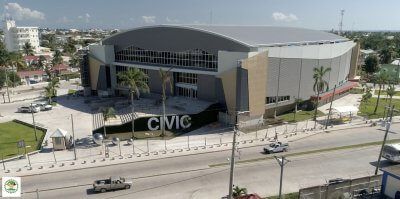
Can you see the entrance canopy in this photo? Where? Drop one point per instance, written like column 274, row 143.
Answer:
column 345, row 109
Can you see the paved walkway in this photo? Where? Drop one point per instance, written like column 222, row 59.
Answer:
column 90, row 155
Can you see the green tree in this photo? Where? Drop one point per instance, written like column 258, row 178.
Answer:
column 320, row 85
column 165, row 79
column 135, row 80
column 238, row 191
column 41, row 62
column 69, row 47
column 366, row 96
column 371, row 64
column 16, row 61
column 381, row 79
column 27, row 49
column 74, row 61
column 386, row 55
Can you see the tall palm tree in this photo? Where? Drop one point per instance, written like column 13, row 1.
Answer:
column 165, row 79
column 390, row 91
column 57, row 58
column 135, row 80
column 51, row 88
column 4, row 61
column 41, row 62
column 381, row 79
column 107, row 112
column 320, row 85
column 27, row 49
column 16, row 61
column 297, row 101
column 238, row 191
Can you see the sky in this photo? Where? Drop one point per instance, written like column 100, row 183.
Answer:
column 125, row 14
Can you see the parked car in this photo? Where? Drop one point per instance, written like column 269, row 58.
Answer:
column 111, row 183
column 44, row 106
column 28, row 109
column 276, row 147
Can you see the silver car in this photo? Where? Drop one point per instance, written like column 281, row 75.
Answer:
column 111, row 183
column 28, row 109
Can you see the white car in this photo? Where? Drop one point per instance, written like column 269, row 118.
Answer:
column 44, row 106
column 276, row 147
column 28, row 109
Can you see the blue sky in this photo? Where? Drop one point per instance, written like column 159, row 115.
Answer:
column 315, row 14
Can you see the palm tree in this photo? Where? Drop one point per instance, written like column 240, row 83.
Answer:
column 366, row 96
column 381, row 79
column 27, row 49
column 238, row 191
column 57, row 59
column 107, row 112
column 16, row 60
column 4, row 61
column 135, row 80
column 165, row 79
column 41, row 62
column 51, row 88
column 296, row 106
column 390, row 91
column 74, row 61
column 319, row 86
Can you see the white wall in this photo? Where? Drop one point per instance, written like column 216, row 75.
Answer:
column 323, row 51
column 392, row 186
column 228, row 60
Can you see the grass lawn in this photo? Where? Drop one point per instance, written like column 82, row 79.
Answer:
column 367, row 109
column 300, row 116
column 383, row 93
column 11, row 133
column 357, row 91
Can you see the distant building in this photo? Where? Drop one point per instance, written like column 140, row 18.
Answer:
column 32, row 76
column 16, row 37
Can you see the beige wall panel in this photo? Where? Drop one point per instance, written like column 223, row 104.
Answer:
column 94, row 68
column 257, row 66
column 228, row 79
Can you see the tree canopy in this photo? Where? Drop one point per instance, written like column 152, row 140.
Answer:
column 371, row 64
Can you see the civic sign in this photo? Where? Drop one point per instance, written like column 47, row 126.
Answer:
column 11, row 187
column 171, row 122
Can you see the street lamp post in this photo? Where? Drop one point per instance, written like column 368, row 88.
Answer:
column 34, row 124
column 73, row 135
column 282, row 161
column 388, row 123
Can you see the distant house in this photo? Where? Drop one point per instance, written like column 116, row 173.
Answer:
column 32, row 76
column 33, row 60
column 61, row 69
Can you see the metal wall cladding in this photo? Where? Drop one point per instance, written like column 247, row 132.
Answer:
column 289, row 77
column 307, row 81
column 272, row 76
column 334, row 74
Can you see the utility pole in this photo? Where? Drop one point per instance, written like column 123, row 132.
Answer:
column 8, row 92
column 330, row 108
column 34, row 124
column 282, row 161
column 388, row 123
column 133, row 118
column 232, row 163
column 73, row 135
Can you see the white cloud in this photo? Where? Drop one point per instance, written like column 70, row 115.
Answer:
column 169, row 20
column 279, row 16
column 86, row 17
column 149, row 19
column 21, row 13
column 64, row 19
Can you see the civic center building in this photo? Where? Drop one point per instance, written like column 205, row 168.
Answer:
column 257, row 69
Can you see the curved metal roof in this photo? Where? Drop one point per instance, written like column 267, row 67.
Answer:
column 246, row 36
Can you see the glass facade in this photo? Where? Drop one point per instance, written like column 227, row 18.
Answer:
column 272, row 100
column 197, row 59
column 120, row 69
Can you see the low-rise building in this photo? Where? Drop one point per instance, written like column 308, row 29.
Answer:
column 32, row 76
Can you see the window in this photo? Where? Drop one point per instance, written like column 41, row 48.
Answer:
column 192, row 58
column 272, row 100
column 187, row 78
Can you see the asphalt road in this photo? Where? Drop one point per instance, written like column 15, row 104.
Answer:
column 191, row 176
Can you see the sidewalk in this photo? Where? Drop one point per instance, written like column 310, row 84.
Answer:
column 93, row 156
